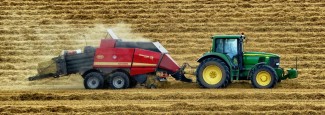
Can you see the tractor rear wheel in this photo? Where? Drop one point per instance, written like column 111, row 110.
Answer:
column 94, row 80
column 119, row 80
column 213, row 73
column 264, row 76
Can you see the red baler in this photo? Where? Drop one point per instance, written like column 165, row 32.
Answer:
column 117, row 64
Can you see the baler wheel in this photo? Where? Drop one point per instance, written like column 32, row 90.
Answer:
column 264, row 77
column 213, row 73
column 118, row 80
column 94, row 80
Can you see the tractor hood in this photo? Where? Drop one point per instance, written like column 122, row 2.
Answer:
column 260, row 54
column 253, row 58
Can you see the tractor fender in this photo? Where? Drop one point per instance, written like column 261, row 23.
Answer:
column 222, row 57
column 250, row 73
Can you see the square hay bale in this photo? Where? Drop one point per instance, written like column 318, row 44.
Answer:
column 46, row 67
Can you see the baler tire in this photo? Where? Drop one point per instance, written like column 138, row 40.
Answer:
column 133, row 82
column 224, row 80
column 122, row 83
column 97, row 79
column 267, row 71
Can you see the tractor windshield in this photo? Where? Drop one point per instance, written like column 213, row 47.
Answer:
column 227, row 46
column 231, row 47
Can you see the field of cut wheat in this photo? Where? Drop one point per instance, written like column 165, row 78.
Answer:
column 34, row 31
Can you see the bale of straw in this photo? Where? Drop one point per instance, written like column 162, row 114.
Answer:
column 46, row 67
column 153, row 82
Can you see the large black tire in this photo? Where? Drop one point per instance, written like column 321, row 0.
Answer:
column 133, row 82
column 94, row 80
column 212, row 67
column 263, row 77
column 118, row 80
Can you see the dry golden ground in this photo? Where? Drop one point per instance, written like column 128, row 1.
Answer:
column 34, row 31
column 164, row 101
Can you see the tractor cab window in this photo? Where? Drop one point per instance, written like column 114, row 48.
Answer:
column 231, row 47
column 227, row 46
column 219, row 45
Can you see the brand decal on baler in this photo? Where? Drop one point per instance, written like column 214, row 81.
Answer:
column 100, row 56
column 146, row 56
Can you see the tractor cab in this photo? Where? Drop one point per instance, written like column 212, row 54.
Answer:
column 232, row 46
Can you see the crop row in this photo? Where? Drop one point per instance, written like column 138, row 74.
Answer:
column 308, row 11
column 166, row 17
column 163, row 4
column 184, row 28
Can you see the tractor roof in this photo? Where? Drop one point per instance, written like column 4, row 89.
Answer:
column 226, row 36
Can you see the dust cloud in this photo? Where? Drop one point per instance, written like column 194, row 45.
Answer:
column 122, row 30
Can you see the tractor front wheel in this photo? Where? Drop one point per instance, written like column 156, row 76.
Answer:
column 213, row 73
column 264, row 76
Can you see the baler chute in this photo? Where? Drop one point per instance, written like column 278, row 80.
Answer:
column 68, row 62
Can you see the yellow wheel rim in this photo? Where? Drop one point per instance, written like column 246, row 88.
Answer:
column 212, row 74
column 263, row 78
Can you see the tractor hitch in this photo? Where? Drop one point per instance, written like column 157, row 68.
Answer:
column 180, row 74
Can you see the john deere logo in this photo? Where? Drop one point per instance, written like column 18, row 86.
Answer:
column 100, row 57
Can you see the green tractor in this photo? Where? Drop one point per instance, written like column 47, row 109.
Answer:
column 227, row 62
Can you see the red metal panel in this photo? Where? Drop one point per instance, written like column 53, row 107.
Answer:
column 137, row 71
column 113, row 57
column 168, row 63
column 107, row 43
column 145, row 58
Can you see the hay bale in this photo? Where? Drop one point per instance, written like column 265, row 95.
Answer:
column 153, row 82
column 46, row 67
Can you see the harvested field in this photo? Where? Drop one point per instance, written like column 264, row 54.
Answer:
column 35, row 31
column 165, row 101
